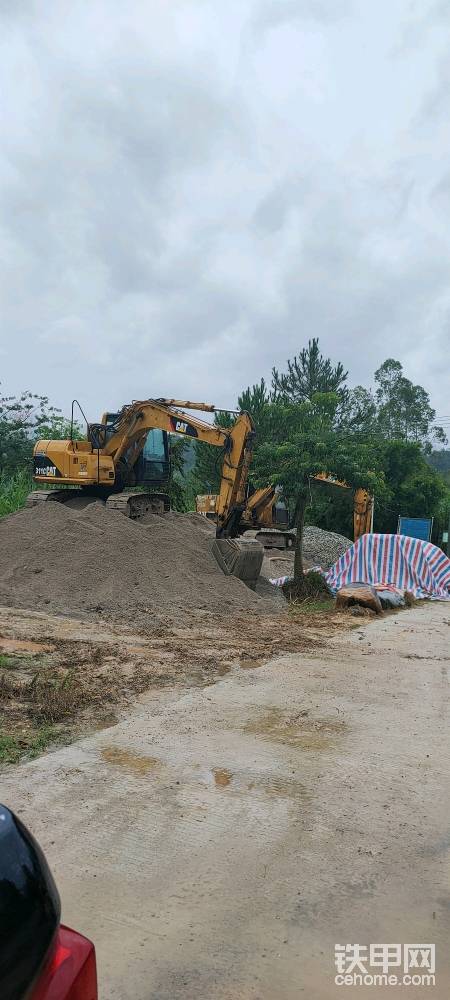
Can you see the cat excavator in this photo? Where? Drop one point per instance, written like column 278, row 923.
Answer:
column 262, row 515
column 131, row 448
column 266, row 519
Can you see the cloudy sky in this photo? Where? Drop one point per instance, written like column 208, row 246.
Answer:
column 191, row 189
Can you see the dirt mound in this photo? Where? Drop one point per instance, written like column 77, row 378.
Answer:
column 96, row 560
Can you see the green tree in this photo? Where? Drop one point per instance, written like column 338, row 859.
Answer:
column 414, row 488
column 254, row 400
column 440, row 460
column 178, row 491
column 208, row 459
column 404, row 411
column 22, row 419
column 59, row 428
column 307, row 374
column 359, row 412
column 303, row 442
column 25, row 419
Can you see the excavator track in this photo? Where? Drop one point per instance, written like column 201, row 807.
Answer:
column 136, row 505
column 133, row 505
column 56, row 496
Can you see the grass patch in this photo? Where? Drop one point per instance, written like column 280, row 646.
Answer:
column 29, row 745
column 53, row 698
column 8, row 662
column 14, row 490
column 35, row 706
column 311, row 585
column 313, row 605
column 8, row 688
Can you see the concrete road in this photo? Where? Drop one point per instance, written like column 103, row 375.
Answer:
column 220, row 841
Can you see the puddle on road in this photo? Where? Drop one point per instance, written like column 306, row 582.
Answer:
column 220, row 671
column 24, row 646
column 439, row 848
column 222, row 777
column 297, row 730
column 251, row 664
column 252, row 783
column 133, row 762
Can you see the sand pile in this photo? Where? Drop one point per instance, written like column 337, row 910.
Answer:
column 96, row 560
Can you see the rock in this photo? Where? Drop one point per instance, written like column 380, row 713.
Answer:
column 357, row 611
column 359, row 594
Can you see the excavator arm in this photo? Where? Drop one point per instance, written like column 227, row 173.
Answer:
column 135, row 421
column 362, row 504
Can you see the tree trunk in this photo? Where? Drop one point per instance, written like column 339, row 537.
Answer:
column 300, row 508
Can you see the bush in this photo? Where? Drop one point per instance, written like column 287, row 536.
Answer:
column 14, row 490
column 310, row 585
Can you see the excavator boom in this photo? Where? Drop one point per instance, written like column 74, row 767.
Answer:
column 363, row 504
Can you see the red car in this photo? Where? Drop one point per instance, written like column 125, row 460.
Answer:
column 40, row 959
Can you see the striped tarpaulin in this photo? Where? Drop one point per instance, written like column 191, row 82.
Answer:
column 396, row 560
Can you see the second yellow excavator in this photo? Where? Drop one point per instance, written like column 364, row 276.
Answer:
column 267, row 518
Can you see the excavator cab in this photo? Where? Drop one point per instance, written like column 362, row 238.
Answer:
column 153, row 465
column 152, row 468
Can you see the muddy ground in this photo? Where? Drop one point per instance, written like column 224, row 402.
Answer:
column 61, row 677
column 221, row 838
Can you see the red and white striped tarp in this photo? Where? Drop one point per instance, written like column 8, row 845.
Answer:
column 397, row 560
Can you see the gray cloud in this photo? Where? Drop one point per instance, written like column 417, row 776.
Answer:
column 187, row 195
column 270, row 14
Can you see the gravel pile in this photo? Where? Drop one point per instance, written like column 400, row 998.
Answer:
column 320, row 548
column 323, row 548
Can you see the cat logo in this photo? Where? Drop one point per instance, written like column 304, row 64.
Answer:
column 49, row 470
column 181, row 427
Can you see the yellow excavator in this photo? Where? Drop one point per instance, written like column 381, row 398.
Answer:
column 131, row 448
column 262, row 514
column 267, row 519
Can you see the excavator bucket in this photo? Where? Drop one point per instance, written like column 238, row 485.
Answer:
column 239, row 557
column 272, row 538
